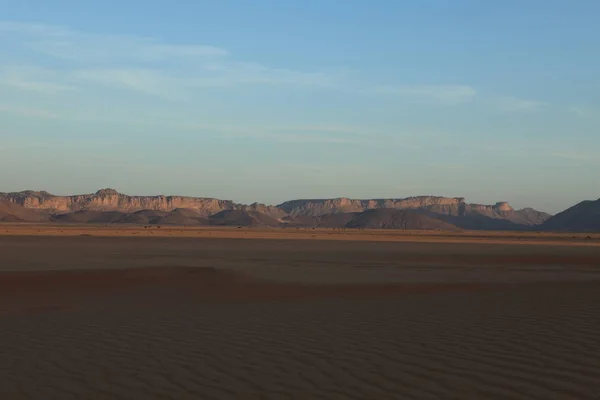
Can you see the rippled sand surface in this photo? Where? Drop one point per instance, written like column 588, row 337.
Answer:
column 131, row 318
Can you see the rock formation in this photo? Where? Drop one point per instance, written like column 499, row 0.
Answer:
column 386, row 218
column 443, row 206
column 331, row 206
column 111, row 200
column 582, row 217
column 109, row 206
column 11, row 212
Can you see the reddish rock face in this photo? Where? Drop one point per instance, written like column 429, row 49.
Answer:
column 111, row 200
column 477, row 216
column 444, row 206
column 330, row 206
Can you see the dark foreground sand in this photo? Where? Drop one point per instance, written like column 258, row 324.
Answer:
column 184, row 318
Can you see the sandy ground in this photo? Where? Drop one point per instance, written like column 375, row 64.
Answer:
column 112, row 316
column 378, row 235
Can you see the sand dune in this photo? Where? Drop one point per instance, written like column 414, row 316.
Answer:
column 188, row 318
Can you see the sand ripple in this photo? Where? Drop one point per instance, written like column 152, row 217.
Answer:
column 537, row 342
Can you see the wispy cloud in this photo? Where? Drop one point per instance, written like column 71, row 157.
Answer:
column 324, row 134
column 324, row 172
column 152, row 66
column 149, row 65
column 32, row 29
column 295, row 135
column 448, row 166
column 142, row 80
column 330, row 129
column 583, row 111
column 443, row 94
column 63, row 42
column 102, row 49
column 27, row 112
column 520, row 105
column 332, row 134
column 299, row 138
column 41, row 87
column 576, row 156
column 226, row 73
column 174, row 71
column 31, row 79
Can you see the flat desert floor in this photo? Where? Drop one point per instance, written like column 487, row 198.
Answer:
column 181, row 313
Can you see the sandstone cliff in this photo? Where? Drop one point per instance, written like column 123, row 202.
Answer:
column 107, row 205
column 443, row 206
column 111, row 200
column 11, row 212
column 339, row 205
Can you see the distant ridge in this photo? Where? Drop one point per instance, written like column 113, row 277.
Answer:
column 111, row 200
column 582, row 217
column 426, row 212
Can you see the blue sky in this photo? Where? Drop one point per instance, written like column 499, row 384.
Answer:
column 274, row 100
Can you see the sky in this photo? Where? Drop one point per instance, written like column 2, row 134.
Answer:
column 271, row 100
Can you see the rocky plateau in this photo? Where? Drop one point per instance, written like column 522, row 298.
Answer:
column 420, row 212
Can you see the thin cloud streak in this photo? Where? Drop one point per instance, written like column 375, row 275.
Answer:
column 140, row 80
column 279, row 136
column 116, row 59
column 32, row 79
column 36, row 86
column 28, row 112
column 442, row 94
column 329, row 129
column 333, row 134
column 514, row 104
column 33, row 29
column 70, row 44
column 582, row 111
column 576, row 156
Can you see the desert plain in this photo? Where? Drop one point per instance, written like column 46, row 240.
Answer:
column 130, row 312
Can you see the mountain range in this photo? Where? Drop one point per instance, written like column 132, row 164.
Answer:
column 421, row 212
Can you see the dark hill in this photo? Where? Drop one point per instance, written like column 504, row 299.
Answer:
column 182, row 216
column 339, row 220
column 584, row 216
column 398, row 219
column 90, row 217
column 143, row 217
column 243, row 218
column 336, row 220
